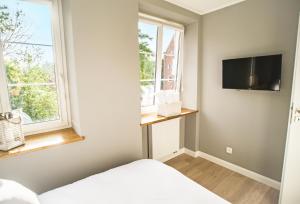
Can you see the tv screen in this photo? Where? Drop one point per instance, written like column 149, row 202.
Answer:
column 254, row 73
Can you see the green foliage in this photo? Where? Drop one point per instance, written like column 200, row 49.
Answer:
column 14, row 73
column 38, row 101
column 147, row 65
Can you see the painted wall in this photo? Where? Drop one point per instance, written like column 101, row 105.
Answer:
column 190, row 81
column 253, row 123
column 105, row 63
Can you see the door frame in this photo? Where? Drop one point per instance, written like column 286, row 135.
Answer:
column 292, row 107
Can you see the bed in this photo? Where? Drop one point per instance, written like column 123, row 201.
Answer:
column 140, row 182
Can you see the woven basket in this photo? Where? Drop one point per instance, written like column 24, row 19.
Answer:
column 11, row 134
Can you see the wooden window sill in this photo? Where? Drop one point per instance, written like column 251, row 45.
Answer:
column 151, row 118
column 44, row 141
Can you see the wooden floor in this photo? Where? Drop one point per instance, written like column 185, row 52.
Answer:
column 229, row 185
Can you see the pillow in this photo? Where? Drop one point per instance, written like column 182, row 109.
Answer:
column 14, row 193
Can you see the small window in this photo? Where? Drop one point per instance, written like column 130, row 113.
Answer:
column 160, row 51
column 32, row 77
column 148, row 59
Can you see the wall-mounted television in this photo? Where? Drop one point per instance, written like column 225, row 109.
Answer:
column 253, row 73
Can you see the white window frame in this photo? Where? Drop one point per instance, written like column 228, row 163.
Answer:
column 60, row 71
column 161, row 23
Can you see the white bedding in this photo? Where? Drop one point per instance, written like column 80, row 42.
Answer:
column 140, row 182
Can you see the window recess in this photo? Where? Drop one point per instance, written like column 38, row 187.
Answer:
column 161, row 56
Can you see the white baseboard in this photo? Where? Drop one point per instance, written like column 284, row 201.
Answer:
column 171, row 156
column 189, row 152
column 253, row 175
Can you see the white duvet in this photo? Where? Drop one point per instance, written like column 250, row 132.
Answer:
column 140, row 182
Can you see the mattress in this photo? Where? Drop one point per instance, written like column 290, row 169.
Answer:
column 140, row 182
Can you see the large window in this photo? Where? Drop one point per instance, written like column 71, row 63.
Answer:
column 160, row 47
column 31, row 63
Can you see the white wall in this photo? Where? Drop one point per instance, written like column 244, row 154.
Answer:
column 253, row 123
column 106, row 93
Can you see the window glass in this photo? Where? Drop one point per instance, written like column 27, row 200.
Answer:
column 159, row 46
column 147, row 53
column 170, row 58
column 27, row 46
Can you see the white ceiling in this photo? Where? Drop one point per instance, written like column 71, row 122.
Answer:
column 204, row 6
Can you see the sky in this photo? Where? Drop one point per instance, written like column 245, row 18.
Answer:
column 37, row 18
column 37, row 23
column 151, row 30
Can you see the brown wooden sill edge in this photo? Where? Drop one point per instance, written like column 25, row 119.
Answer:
column 42, row 141
column 152, row 118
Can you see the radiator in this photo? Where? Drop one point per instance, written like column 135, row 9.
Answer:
column 164, row 138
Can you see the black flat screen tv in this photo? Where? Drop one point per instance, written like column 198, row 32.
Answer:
column 253, row 73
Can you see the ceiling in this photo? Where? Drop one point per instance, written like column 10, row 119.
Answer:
column 204, row 6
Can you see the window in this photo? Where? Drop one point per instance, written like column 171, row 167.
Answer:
column 160, row 52
column 31, row 64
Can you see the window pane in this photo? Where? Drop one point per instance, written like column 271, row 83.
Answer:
column 29, row 60
column 37, row 103
column 147, row 93
column 31, row 81
column 29, row 64
column 33, row 19
column 147, row 49
column 170, row 58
